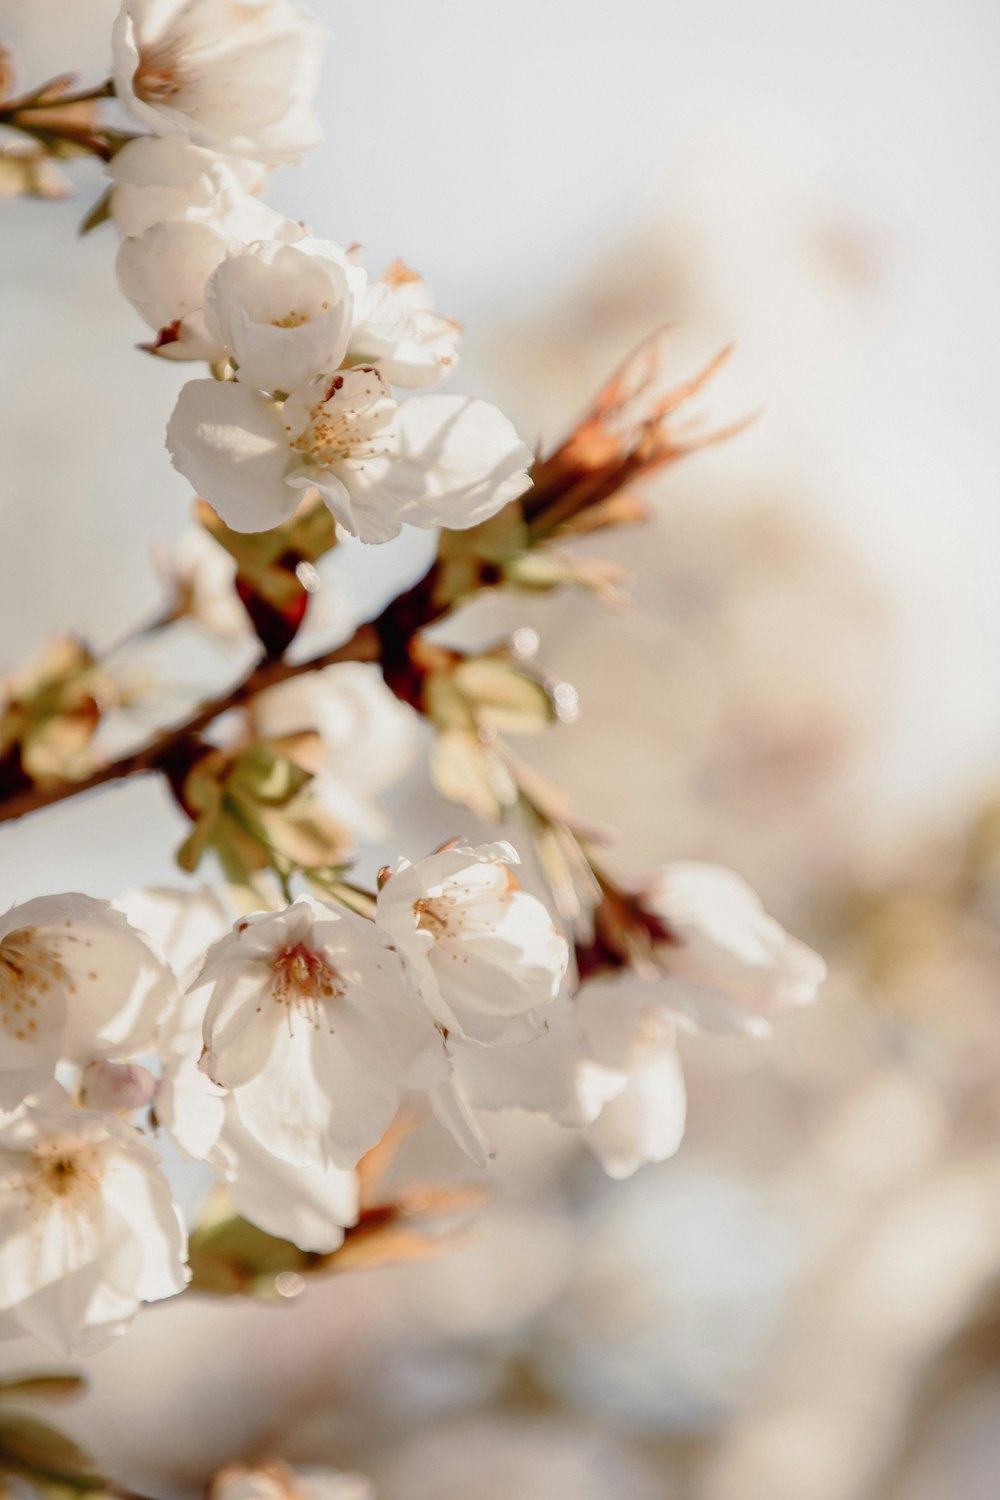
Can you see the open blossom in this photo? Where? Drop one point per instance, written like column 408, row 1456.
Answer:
column 311, row 1028
column 275, row 1481
column 483, row 953
column 77, row 983
column 235, row 78
column 282, row 311
column 731, row 966
column 162, row 178
column 311, row 1206
column 88, row 1230
column 164, row 271
column 432, row 461
column 397, row 329
column 367, row 738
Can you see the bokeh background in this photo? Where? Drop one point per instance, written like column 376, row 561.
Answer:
column 806, row 1301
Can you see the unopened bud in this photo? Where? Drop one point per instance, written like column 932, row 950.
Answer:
column 116, row 1088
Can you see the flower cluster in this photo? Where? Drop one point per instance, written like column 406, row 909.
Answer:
column 286, row 1045
column 280, row 1049
column 304, row 347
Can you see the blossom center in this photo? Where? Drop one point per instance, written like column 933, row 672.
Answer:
column 441, row 916
column 30, row 964
column 292, row 319
column 338, row 430
column 158, row 79
column 65, row 1171
column 303, row 980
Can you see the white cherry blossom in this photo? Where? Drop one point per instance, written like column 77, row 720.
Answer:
column 367, row 738
column 88, row 1230
column 77, row 983
column 164, row 270
column 397, row 329
column 311, row 1206
column 606, row 1066
column 732, row 966
column 282, row 311
column 629, row 1081
column 311, row 1027
column 432, row 461
column 161, row 178
column 234, row 78
column 484, row 954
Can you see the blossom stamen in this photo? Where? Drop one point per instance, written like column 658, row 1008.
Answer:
column 303, row 981
column 30, row 965
column 158, row 79
column 65, row 1171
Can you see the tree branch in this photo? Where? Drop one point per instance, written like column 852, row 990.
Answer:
column 364, row 645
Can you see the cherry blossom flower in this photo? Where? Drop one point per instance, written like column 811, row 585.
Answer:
column 484, row 954
column 164, row 271
column 311, row 1206
column 77, row 983
column 88, row 1230
column 236, row 79
column 629, row 1082
column 606, row 1066
column 311, row 1027
column 157, row 179
column 275, row 1481
column 434, row 461
column 731, row 967
column 397, row 329
column 367, row 738
column 282, row 311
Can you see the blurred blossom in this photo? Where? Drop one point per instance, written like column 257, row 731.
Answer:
column 529, row 1459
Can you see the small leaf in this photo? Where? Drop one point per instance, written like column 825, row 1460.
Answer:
column 501, row 694
column 466, row 770
column 33, row 1448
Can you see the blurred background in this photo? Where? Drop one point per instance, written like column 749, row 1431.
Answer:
column 806, row 1301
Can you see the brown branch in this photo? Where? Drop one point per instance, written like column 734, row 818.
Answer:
column 364, row 645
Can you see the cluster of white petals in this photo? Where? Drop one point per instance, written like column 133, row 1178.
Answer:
column 310, row 346
column 237, row 79
column 731, row 966
column 77, row 984
column 607, row 1064
column 278, row 1049
column 88, row 1229
column 285, row 1045
column 484, row 955
column 252, row 445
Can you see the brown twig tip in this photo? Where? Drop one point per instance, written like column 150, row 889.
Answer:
column 625, row 435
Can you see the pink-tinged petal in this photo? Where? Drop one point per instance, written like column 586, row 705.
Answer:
column 230, row 443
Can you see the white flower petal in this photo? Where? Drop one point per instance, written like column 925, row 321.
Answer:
column 229, row 442
column 454, row 461
column 283, row 311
